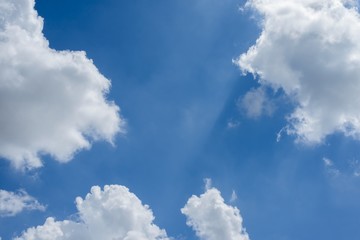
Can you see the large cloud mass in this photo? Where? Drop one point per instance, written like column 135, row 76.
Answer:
column 113, row 213
column 51, row 102
column 212, row 219
column 311, row 50
column 12, row 203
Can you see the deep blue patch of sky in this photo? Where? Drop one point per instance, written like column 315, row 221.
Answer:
column 172, row 74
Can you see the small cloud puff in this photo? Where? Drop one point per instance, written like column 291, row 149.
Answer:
column 256, row 103
column 233, row 197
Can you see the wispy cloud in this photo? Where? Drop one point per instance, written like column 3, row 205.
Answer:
column 231, row 124
column 256, row 103
column 350, row 170
column 233, row 197
column 208, row 183
column 331, row 169
column 13, row 203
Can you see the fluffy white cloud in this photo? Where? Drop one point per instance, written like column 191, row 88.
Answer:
column 12, row 203
column 311, row 50
column 51, row 102
column 109, row 214
column 115, row 213
column 212, row 219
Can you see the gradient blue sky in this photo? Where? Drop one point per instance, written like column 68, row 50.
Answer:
column 170, row 64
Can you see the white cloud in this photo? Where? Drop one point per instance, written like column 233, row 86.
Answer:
column 12, row 203
column 256, row 103
column 51, row 102
column 115, row 213
column 212, row 219
column 311, row 50
column 109, row 214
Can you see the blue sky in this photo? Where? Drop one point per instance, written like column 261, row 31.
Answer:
column 188, row 112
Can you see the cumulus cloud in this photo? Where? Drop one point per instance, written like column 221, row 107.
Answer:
column 114, row 213
column 311, row 50
column 12, row 203
column 51, row 102
column 212, row 219
column 256, row 103
column 109, row 214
